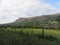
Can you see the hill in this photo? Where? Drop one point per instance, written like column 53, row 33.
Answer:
column 45, row 21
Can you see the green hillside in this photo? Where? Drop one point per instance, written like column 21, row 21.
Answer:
column 25, row 31
column 45, row 21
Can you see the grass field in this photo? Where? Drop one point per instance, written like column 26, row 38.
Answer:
column 29, row 36
column 53, row 32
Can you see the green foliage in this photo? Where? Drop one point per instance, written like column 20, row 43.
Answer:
column 58, row 19
column 47, row 21
column 28, row 31
column 27, row 37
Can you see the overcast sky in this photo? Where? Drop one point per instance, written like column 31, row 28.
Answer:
column 10, row 10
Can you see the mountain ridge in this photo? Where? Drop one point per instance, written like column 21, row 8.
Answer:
column 37, row 21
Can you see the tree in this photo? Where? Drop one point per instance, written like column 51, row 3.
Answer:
column 58, row 20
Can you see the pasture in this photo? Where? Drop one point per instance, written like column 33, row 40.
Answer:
column 29, row 36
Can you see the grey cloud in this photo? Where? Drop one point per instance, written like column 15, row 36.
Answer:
column 12, row 9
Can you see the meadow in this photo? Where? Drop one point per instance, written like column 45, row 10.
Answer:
column 29, row 36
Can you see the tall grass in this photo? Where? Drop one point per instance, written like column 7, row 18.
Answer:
column 29, row 36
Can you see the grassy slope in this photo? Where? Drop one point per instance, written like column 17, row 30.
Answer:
column 38, row 21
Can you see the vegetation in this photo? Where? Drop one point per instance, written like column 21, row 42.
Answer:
column 44, row 30
column 47, row 21
column 58, row 19
column 29, row 36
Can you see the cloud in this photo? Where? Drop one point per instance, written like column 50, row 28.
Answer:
column 10, row 10
column 58, row 3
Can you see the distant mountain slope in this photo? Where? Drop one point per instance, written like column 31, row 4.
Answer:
column 46, row 21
